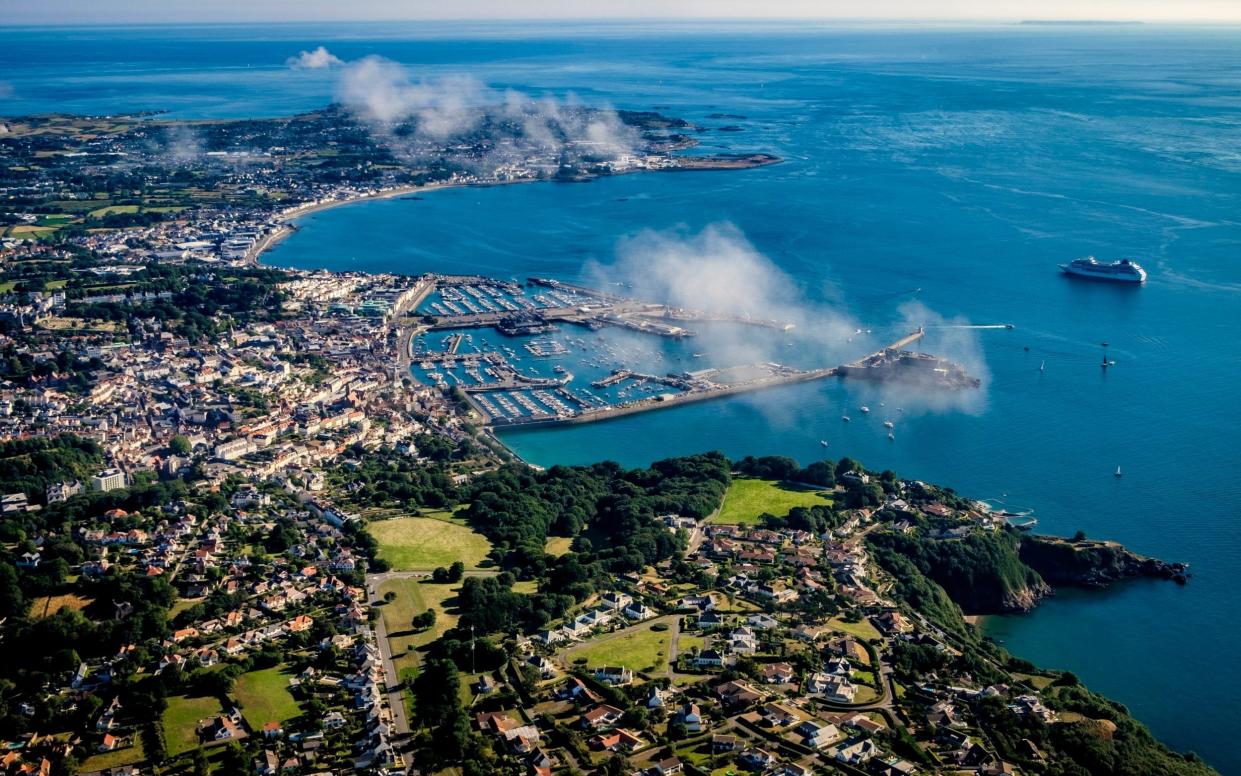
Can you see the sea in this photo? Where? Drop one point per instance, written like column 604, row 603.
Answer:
column 932, row 175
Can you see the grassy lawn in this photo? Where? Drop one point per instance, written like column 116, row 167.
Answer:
column 558, row 545
column 422, row 543
column 181, row 605
column 862, row 630
column 1038, row 682
column 638, row 648
column 53, row 220
column 116, row 758
column 747, row 499
column 414, row 597
column 111, row 209
column 264, row 697
column 865, row 694
column 689, row 640
column 49, row 605
column 7, row 286
column 181, row 721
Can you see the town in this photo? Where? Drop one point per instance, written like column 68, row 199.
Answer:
column 241, row 537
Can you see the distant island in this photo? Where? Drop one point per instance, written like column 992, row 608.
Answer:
column 1079, row 22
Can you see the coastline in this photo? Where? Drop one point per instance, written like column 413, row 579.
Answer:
column 286, row 229
column 687, row 164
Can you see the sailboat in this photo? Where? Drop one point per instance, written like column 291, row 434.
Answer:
column 1118, row 474
column 1042, row 367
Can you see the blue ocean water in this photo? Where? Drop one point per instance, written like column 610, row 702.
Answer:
column 951, row 167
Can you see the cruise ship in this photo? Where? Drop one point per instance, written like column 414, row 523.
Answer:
column 1123, row 271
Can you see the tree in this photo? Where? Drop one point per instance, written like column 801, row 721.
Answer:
column 846, row 465
column 1080, row 536
column 456, row 571
column 635, row 717
column 423, row 620
column 153, row 743
column 180, row 444
column 200, row 764
column 234, row 759
column 819, row 473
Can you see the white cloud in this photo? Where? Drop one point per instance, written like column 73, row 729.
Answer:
column 444, row 107
column 381, row 90
column 318, row 59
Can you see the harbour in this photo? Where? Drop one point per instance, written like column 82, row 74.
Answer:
column 507, row 394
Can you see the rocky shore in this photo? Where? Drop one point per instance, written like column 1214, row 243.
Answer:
column 1094, row 564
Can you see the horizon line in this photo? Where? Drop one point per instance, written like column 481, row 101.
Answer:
column 737, row 19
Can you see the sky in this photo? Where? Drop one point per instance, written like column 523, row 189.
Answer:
column 224, row 11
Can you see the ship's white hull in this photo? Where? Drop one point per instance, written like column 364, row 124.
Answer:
column 1113, row 278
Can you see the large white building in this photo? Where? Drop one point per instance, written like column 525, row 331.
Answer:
column 108, row 479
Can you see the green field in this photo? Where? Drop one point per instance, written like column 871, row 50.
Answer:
column 116, row 758
column 181, row 721
column 747, row 499
column 414, row 597
column 638, row 648
column 422, row 543
column 113, row 209
column 689, row 641
column 862, row 630
column 264, row 697
column 28, row 231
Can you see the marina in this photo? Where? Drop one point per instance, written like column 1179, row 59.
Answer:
column 492, row 340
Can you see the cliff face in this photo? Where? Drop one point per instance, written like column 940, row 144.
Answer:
column 1024, row 598
column 982, row 572
column 1092, row 564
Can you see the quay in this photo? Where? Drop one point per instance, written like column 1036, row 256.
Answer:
column 787, row 376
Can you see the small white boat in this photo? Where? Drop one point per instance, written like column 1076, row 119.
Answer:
column 1042, row 367
column 823, row 442
column 889, row 424
column 845, row 418
column 1118, row 474
column 865, row 409
column 891, row 435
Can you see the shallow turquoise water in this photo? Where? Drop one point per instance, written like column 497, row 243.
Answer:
column 961, row 163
